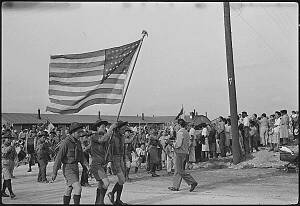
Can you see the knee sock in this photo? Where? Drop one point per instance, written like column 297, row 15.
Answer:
column 66, row 200
column 76, row 199
column 115, row 189
column 102, row 195
column 119, row 192
column 9, row 186
column 98, row 196
column 4, row 186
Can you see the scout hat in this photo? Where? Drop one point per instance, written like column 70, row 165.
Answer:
column 75, row 126
column 121, row 124
column 99, row 122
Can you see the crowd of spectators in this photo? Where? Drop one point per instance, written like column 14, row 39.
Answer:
column 149, row 149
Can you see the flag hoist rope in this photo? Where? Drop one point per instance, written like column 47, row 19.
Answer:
column 144, row 33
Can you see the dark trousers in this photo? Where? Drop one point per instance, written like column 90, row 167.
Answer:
column 198, row 150
column 85, row 174
column 42, row 170
column 222, row 144
column 253, row 142
column 180, row 171
column 246, row 140
column 153, row 167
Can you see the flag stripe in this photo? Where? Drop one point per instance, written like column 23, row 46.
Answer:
column 84, row 89
column 76, row 74
column 80, row 56
column 91, row 92
column 84, row 60
column 87, row 84
column 78, row 79
column 86, row 104
column 68, row 70
column 76, row 103
column 77, row 65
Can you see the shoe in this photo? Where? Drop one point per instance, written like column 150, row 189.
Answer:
column 111, row 197
column 3, row 194
column 173, row 189
column 13, row 176
column 155, row 175
column 120, row 203
column 170, row 173
column 12, row 195
column 193, row 185
column 29, row 170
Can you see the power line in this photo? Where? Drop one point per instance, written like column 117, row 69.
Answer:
column 266, row 43
column 276, row 22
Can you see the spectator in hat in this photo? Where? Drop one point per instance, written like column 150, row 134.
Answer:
column 153, row 153
column 30, row 146
column 284, row 127
column 8, row 157
column 70, row 154
column 221, row 136
column 99, row 143
column 43, row 157
column 181, row 146
column 212, row 140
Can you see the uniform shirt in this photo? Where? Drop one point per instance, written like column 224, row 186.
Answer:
column 70, row 152
column 99, row 146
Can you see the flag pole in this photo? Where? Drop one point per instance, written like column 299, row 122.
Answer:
column 144, row 33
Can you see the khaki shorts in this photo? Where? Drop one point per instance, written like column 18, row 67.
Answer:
column 98, row 172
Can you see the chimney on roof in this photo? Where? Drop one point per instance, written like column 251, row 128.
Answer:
column 39, row 114
column 206, row 114
column 99, row 115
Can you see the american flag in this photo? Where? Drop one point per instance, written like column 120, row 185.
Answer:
column 77, row 81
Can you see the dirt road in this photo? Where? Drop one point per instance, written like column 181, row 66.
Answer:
column 216, row 186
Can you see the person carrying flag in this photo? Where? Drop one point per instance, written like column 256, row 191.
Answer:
column 99, row 140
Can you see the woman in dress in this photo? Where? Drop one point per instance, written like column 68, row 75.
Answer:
column 205, row 145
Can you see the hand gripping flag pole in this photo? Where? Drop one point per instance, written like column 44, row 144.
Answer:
column 144, row 33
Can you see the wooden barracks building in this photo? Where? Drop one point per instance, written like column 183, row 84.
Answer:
column 26, row 120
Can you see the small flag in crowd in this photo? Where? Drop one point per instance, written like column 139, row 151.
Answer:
column 77, row 81
column 49, row 126
column 179, row 114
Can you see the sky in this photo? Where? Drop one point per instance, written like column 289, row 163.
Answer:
column 181, row 62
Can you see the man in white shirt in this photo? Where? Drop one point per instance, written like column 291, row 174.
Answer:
column 181, row 150
column 246, row 137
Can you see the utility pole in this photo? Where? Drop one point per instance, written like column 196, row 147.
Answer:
column 236, row 150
